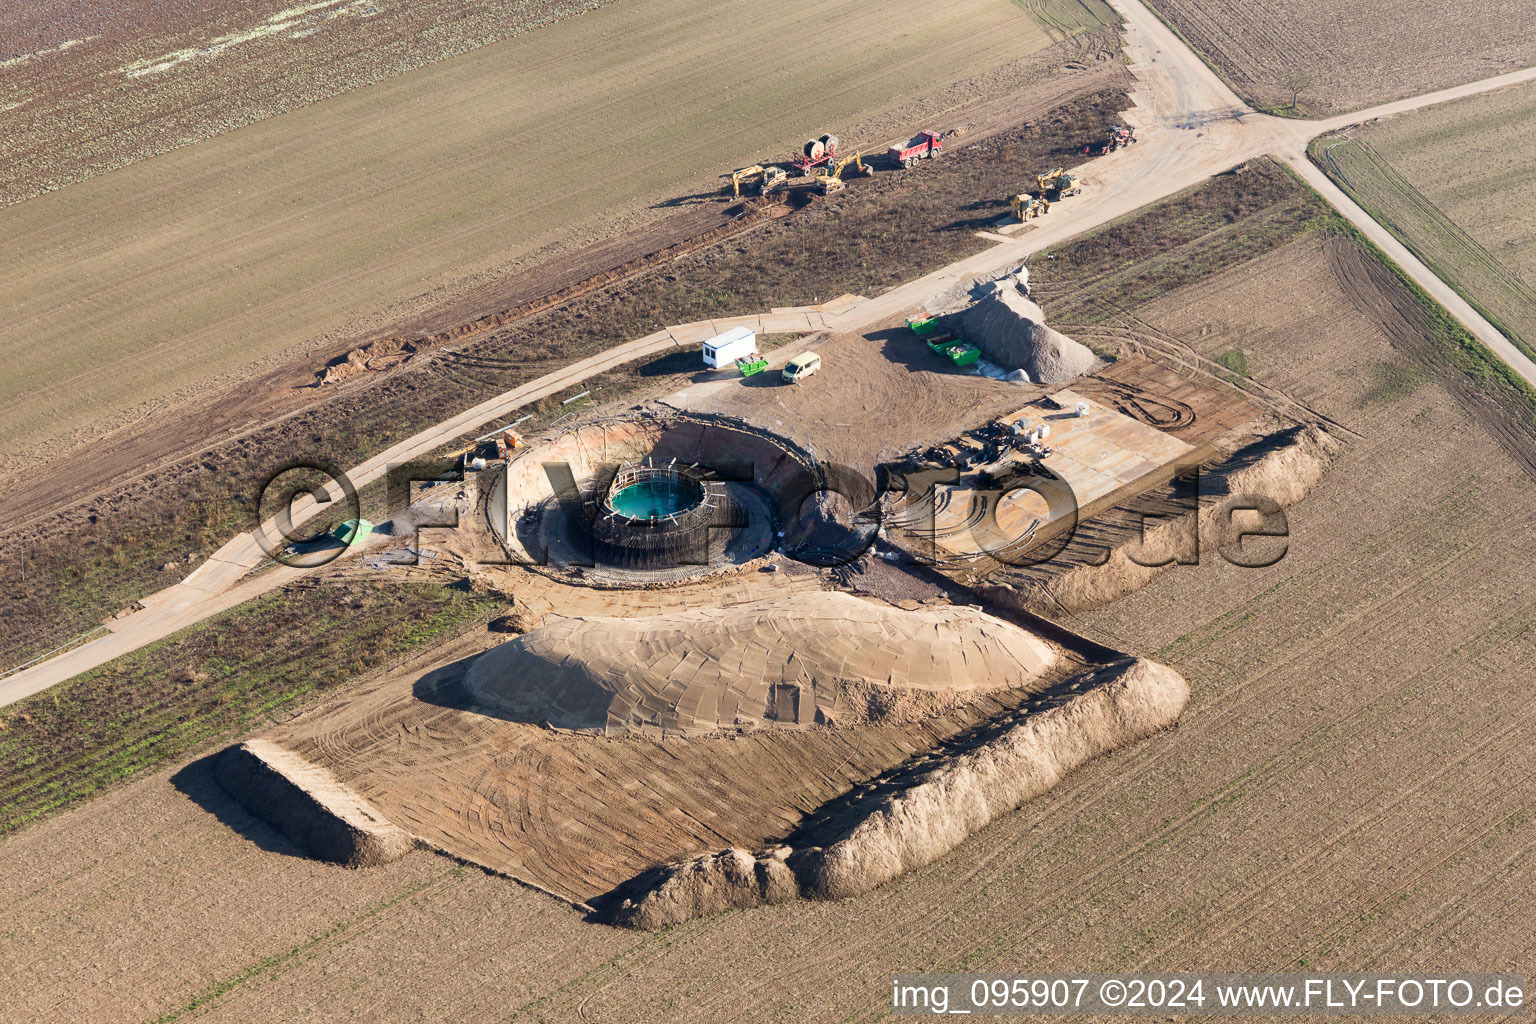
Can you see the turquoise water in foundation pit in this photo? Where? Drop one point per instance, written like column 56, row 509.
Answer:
column 651, row 499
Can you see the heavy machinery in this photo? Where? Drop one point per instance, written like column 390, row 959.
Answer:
column 756, row 180
column 831, row 179
column 925, row 145
column 1058, row 184
column 813, row 154
column 1027, row 206
column 1115, row 137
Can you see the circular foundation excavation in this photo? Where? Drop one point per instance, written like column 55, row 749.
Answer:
column 651, row 498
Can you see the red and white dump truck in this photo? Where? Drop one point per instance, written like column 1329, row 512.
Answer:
column 924, row 145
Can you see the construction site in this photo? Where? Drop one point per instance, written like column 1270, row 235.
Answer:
column 771, row 625
column 1018, row 517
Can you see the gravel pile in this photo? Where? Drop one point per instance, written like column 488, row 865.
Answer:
column 1011, row 331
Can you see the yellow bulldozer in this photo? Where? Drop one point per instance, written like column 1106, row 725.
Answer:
column 1027, row 206
column 755, row 180
column 831, row 179
column 1058, row 183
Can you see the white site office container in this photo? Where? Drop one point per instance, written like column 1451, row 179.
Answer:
column 725, row 349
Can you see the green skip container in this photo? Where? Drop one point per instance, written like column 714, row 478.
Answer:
column 352, row 531
column 964, row 355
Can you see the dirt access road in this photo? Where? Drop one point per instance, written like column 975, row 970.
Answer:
column 1191, row 127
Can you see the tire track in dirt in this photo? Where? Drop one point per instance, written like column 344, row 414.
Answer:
column 1380, row 295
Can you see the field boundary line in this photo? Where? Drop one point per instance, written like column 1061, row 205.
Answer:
column 1321, row 152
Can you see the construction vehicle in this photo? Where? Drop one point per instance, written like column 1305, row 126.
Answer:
column 1058, row 184
column 925, row 145
column 813, row 154
column 1027, row 206
column 831, row 179
column 756, row 180
column 1116, row 136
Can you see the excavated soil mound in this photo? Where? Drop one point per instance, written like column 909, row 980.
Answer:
column 1124, row 702
column 308, row 805
column 1011, row 331
column 817, row 659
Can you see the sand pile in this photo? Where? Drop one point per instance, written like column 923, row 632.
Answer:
column 1124, row 702
column 1011, row 331
column 814, row 659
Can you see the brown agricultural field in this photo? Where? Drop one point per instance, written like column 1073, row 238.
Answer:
column 1350, row 786
column 86, row 87
column 131, row 291
column 1329, row 58
column 1457, row 184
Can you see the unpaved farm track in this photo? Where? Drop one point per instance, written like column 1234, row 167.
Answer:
column 1451, row 181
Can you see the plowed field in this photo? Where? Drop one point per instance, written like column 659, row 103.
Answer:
column 1341, row 56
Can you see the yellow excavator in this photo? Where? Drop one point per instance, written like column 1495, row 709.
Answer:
column 831, row 179
column 1059, row 183
column 756, row 179
column 1027, row 206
